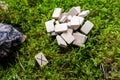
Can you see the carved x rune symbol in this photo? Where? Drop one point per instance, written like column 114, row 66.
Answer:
column 41, row 59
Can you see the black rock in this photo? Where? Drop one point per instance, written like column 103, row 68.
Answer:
column 10, row 40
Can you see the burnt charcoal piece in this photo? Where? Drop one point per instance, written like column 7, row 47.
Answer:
column 10, row 40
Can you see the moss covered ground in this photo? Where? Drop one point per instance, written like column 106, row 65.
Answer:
column 81, row 63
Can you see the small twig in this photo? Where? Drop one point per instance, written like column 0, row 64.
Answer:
column 103, row 69
column 20, row 62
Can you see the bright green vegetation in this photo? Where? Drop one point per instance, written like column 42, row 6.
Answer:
column 64, row 63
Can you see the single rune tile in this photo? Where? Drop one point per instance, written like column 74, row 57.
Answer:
column 68, row 37
column 84, row 13
column 63, row 18
column 57, row 12
column 80, row 39
column 61, row 27
column 76, row 22
column 62, row 14
column 50, row 26
column 60, row 41
column 87, row 27
column 41, row 59
column 73, row 11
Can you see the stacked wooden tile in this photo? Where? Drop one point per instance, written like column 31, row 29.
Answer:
column 69, row 28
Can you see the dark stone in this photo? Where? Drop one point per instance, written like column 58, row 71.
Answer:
column 10, row 40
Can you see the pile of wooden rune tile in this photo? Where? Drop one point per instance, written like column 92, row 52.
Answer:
column 69, row 28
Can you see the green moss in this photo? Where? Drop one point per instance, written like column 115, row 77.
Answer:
column 72, row 62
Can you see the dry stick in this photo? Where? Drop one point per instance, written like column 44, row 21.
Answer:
column 103, row 69
column 20, row 61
